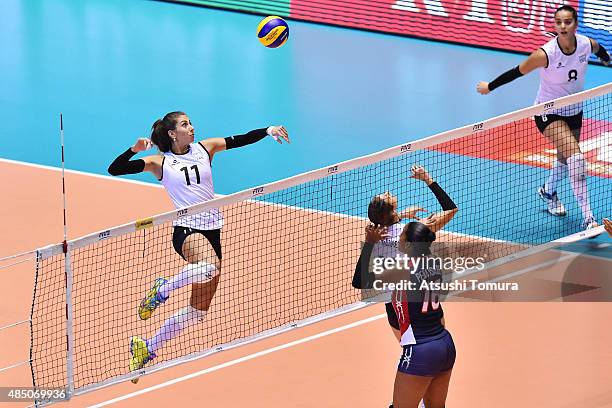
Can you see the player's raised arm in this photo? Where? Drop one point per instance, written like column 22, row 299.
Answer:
column 124, row 165
column 219, row 144
column 438, row 220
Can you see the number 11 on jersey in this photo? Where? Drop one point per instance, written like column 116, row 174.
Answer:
column 186, row 171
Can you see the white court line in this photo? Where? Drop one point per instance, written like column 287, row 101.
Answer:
column 82, row 173
column 240, row 360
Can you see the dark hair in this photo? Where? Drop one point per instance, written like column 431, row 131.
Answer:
column 421, row 234
column 380, row 211
column 159, row 130
column 570, row 9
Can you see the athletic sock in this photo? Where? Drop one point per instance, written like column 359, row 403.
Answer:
column 577, row 173
column 558, row 173
column 175, row 325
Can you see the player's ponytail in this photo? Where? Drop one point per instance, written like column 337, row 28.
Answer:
column 160, row 129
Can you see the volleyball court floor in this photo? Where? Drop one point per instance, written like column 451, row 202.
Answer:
column 552, row 354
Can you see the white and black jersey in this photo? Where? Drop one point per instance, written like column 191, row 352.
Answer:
column 564, row 75
column 188, row 181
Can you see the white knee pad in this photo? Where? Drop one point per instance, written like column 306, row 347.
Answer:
column 201, row 272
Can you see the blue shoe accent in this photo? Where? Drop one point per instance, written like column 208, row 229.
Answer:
column 152, row 300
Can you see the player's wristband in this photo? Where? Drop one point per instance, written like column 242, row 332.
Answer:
column 445, row 201
column 602, row 54
column 253, row 136
column 123, row 165
column 504, row 78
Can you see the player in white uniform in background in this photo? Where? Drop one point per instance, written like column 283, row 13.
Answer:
column 184, row 169
column 563, row 62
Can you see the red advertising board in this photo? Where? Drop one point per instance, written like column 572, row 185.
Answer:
column 508, row 24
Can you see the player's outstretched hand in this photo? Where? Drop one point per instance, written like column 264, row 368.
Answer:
column 608, row 226
column 419, row 173
column 142, row 144
column 411, row 212
column 278, row 133
column 482, row 87
column 375, row 234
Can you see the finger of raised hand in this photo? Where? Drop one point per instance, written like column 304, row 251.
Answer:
column 284, row 134
column 413, row 170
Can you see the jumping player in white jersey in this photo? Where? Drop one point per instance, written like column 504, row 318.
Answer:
column 563, row 63
column 428, row 351
column 184, row 169
column 386, row 221
column 385, row 230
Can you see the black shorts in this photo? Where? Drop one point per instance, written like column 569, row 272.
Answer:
column 429, row 357
column 574, row 122
column 181, row 233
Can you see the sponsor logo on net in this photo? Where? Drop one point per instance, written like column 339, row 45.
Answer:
column 478, row 127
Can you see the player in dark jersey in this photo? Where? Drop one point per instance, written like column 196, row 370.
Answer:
column 428, row 354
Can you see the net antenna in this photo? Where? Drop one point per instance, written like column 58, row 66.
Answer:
column 65, row 242
column 68, row 275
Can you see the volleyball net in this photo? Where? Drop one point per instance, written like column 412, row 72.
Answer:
column 290, row 247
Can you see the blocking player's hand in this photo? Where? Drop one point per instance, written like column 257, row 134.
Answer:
column 419, row 173
column 411, row 212
column 374, row 233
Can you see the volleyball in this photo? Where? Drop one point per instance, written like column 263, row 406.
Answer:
column 273, row 31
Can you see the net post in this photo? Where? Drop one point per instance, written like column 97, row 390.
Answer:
column 38, row 260
column 69, row 324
